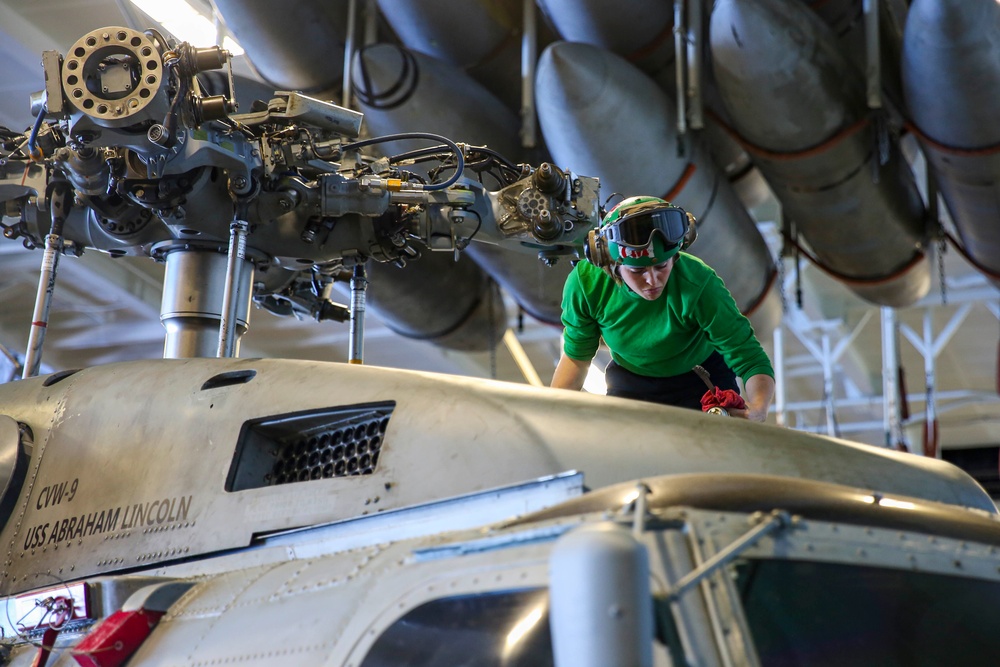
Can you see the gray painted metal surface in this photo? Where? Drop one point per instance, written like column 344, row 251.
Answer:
column 329, row 605
column 131, row 460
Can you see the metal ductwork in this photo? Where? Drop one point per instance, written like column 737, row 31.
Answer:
column 951, row 78
column 606, row 118
column 847, row 19
column 432, row 96
column 482, row 37
column 642, row 32
column 799, row 102
column 292, row 44
column 448, row 303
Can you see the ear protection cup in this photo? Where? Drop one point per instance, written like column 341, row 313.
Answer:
column 596, row 250
column 691, row 235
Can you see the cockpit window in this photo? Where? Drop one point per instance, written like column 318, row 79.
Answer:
column 831, row 614
column 502, row 629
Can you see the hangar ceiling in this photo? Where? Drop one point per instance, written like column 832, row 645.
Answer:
column 107, row 309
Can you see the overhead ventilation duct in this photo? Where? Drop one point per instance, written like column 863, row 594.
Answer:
column 641, row 31
column 846, row 18
column 403, row 91
column 292, row 44
column 951, row 79
column 606, row 118
column 448, row 303
column 300, row 45
column 482, row 37
column 799, row 105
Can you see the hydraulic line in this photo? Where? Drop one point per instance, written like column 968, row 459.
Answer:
column 237, row 256
column 60, row 201
column 356, row 342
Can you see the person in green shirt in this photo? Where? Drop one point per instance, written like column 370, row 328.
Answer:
column 661, row 312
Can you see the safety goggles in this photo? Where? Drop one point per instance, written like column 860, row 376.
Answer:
column 636, row 230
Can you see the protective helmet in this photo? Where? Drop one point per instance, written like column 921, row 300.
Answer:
column 645, row 231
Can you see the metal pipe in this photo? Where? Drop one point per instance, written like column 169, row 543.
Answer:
column 370, row 23
column 779, row 376
column 43, row 300
column 230, row 295
column 356, row 342
column 828, row 403
column 529, row 58
column 679, row 57
column 694, row 62
column 59, row 205
column 352, row 12
column 873, row 69
column 929, row 355
column 891, row 417
column 776, row 521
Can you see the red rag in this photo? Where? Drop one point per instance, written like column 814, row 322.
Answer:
column 722, row 398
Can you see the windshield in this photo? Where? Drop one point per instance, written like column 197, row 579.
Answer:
column 503, row 629
column 818, row 614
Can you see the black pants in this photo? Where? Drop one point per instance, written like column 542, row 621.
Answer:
column 684, row 390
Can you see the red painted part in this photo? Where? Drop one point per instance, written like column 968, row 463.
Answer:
column 115, row 638
column 62, row 610
column 931, row 439
column 48, row 641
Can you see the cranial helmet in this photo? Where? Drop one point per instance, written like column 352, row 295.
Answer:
column 645, row 231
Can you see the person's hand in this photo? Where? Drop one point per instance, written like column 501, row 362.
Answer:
column 727, row 399
column 752, row 415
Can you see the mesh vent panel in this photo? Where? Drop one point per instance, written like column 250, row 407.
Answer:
column 315, row 445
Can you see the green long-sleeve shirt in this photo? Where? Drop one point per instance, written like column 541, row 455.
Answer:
column 694, row 315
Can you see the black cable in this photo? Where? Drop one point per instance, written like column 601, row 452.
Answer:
column 479, row 225
column 460, row 167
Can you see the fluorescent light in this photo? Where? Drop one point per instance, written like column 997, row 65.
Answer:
column 185, row 23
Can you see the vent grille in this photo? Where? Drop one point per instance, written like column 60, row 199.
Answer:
column 334, row 442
